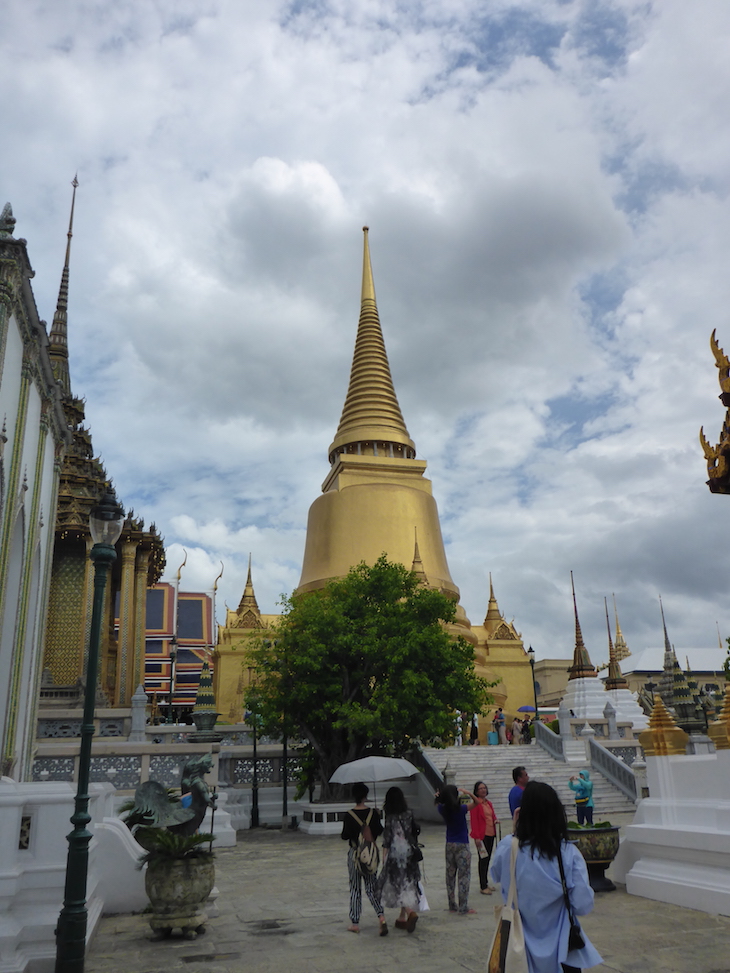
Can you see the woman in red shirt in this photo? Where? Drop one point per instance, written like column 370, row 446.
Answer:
column 483, row 822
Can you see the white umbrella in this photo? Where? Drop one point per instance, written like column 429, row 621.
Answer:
column 373, row 769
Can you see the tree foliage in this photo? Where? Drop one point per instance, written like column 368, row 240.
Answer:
column 365, row 664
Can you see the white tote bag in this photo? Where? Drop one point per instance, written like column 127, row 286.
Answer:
column 507, row 952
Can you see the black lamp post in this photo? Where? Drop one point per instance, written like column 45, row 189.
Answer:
column 531, row 657
column 252, row 719
column 105, row 523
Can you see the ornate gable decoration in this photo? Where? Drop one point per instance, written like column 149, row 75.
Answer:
column 505, row 632
column 718, row 468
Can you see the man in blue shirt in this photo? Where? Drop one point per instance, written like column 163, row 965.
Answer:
column 520, row 777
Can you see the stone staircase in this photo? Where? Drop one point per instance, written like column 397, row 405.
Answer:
column 494, row 766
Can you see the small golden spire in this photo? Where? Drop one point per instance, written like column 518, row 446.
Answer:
column 663, row 737
column 248, row 598
column 417, row 566
column 615, row 679
column 582, row 667
column 371, row 416
column 493, row 612
column 622, row 649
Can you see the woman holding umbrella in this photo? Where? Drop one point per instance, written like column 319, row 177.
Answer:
column 362, row 819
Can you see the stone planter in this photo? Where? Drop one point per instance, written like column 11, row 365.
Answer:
column 177, row 890
column 599, row 847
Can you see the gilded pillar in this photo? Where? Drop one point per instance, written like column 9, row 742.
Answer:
column 126, row 646
column 141, row 569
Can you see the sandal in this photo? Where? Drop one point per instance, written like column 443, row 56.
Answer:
column 355, row 929
column 411, row 921
column 400, row 924
column 383, row 928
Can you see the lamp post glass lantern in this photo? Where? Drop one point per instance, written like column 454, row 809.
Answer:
column 105, row 523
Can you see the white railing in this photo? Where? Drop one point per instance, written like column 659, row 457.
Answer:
column 549, row 741
column 613, row 769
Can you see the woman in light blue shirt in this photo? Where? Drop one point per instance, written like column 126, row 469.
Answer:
column 542, row 833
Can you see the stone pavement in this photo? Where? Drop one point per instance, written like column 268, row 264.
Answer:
column 283, row 906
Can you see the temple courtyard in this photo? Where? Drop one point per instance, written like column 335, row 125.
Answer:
column 283, row 906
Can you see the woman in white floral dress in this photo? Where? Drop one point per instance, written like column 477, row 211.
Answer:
column 401, row 873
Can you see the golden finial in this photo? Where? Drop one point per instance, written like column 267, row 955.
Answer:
column 663, row 738
column 179, row 570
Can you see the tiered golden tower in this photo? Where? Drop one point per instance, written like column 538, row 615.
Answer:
column 375, row 495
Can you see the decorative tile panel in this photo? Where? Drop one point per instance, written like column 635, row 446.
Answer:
column 53, row 768
column 167, row 770
column 125, row 774
column 55, row 729
column 111, row 728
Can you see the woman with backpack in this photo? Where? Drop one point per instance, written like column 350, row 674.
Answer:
column 398, row 882
column 361, row 827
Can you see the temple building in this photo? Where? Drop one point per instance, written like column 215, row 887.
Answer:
column 375, row 499
column 33, row 437
column 179, row 639
column 232, row 671
column 140, row 556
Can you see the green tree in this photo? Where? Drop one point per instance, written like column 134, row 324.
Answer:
column 365, row 664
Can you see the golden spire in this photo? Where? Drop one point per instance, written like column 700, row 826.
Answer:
column 59, row 329
column 248, row 598
column 493, row 612
column 582, row 666
column 622, row 649
column 371, row 417
column 615, row 679
column 417, row 566
column 663, row 737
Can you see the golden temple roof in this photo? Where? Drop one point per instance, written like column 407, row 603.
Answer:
column 371, row 412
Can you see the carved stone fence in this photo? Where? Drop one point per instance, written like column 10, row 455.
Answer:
column 613, row 768
column 624, row 730
column 126, row 765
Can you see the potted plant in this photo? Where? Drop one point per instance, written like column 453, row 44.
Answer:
column 179, row 878
column 598, row 844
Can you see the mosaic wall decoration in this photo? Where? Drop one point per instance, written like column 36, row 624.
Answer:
column 125, row 771
column 53, row 768
column 64, row 636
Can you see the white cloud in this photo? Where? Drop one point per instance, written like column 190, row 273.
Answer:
column 546, row 187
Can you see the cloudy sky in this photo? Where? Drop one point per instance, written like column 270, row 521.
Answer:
column 546, row 184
